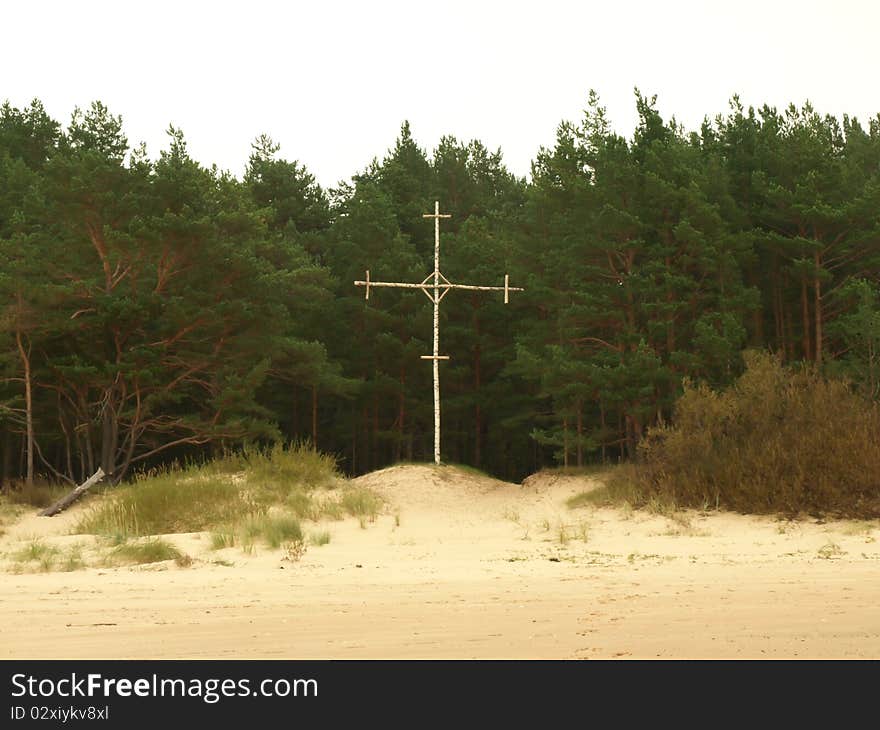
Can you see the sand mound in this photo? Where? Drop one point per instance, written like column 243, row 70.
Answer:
column 436, row 488
column 456, row 499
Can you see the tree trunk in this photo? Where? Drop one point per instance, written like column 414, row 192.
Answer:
column 315, row 416
column 872, row 369
column 805, row 313
column 789, row 335
column 376, row 429
column 63, row 503
column 80, row 455
column 633, row 435
column 478, row 416
column 777, row 318
column 670, row 298
column 628, row 437
column 109, row 442
column 122, row 469
column 67, row 449
column 580, row 435
column 758, row 313
column 817, row 305
column 367, row 449
column 7, row 459
column 401, row 417
column 565, row 442
column 29, row 407
column 354, row 439
column 90, row 451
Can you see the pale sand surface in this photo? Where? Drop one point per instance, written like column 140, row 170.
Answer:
column 476, row 568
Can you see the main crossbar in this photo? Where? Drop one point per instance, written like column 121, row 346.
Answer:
column 402, row 285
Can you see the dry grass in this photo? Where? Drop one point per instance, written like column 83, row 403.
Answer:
column 619, row 486
column 226, row 492
column 9, row 513
column 166, row 503
column 36, row 553
column 361, row 502
column 778, row 440
column 37, row 495
column 319, row 538
column 275, row 530
column 154, row 550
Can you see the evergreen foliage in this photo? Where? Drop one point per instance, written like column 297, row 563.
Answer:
column 156, row 309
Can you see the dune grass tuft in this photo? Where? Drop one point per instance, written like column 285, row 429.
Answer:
column 361, row 502
column 223, row 537
column 72, row 560
column 170, row 502
column 154, row 550
column 36, row 554
column 227, row 491
column 273, row 530
column 279, row 470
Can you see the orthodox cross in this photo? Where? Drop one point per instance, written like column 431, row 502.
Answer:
column 435, row 291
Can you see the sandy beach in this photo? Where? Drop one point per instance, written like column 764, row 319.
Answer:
column 462, row 566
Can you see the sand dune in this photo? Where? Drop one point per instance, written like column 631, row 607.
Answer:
column 460, row 565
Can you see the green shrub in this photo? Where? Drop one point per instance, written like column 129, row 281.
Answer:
column 778, row 440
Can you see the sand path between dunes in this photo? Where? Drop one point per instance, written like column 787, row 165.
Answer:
column 462, row 566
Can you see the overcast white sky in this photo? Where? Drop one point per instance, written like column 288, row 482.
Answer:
column 332, row 81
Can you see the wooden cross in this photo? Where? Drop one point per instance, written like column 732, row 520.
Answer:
column 435, row 291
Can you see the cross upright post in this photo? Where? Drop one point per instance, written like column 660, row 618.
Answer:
column 436, row 356
column 435, row 291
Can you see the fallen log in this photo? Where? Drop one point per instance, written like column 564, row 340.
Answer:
column 67, row 500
